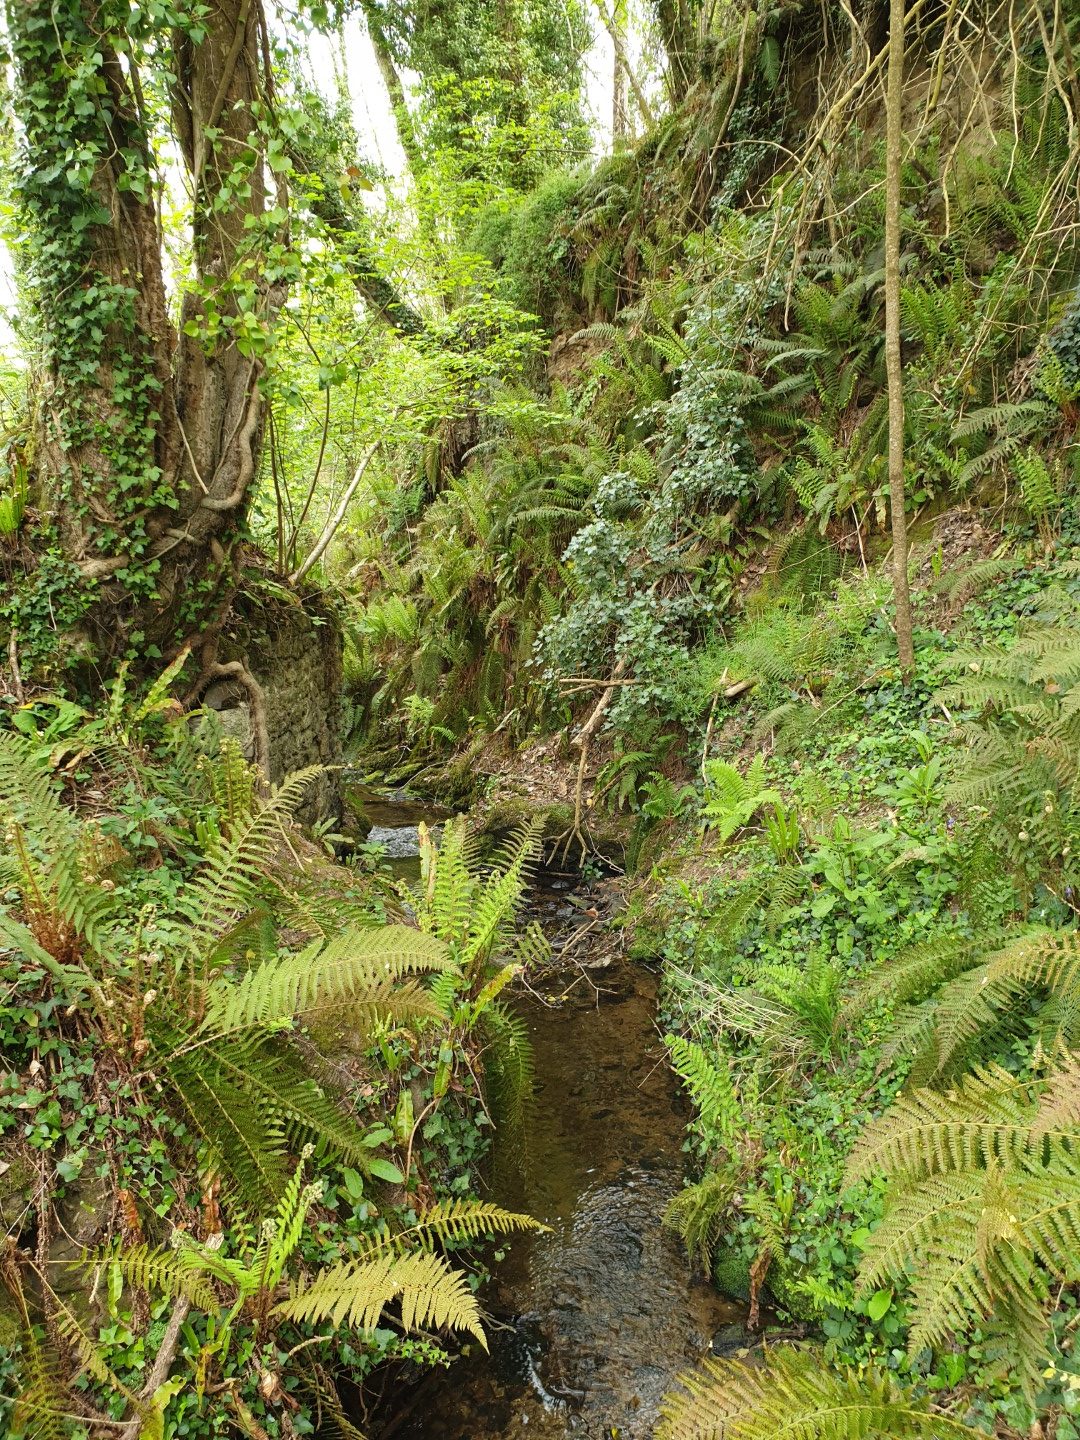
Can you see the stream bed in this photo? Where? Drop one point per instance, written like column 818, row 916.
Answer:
column 592, row 1322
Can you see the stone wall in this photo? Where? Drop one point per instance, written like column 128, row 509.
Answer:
column 292, row 648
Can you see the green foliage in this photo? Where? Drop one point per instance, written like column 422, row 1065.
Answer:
column 429, row 1292
column 472, row 909
column 181, row 976
column 13, row 501
column 699, row 1212
column 711, row 1090
column 981, row 1209
column 733, row 799
column 1020, row 761
column 795, row 1395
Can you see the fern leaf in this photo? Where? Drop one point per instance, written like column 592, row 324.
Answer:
column 458, row 1221
column 796, row 1395
column 232, row 875
column 711, row 1089
column 362, row 967
column 699, row 1212
column 430, row 1293
column 159, row 1271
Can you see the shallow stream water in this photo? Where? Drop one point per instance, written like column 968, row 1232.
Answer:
column 592, row 1322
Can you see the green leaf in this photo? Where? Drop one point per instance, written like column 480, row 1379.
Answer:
column 879, row 1304
column 354, row 1182
column 386, row 1170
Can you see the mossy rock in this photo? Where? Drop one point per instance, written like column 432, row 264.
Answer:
column 10, row 1323
column 731, row 1273
column 355, row 818
column 731, row 1276
column 501, row 816
column 782, row 1286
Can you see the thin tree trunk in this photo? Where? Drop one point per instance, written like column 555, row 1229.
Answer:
column 894, row 136
column 615, row 24
column 620, row 120
column 335, row 521
column 396, row 90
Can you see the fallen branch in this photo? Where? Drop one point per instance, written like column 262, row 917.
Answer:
column 581, row 740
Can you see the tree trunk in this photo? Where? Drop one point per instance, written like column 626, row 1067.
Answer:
column 615, row 23
column 676, row 33
column 620, row 120
column 893, row 360
column 395, row 89
column 148, row 441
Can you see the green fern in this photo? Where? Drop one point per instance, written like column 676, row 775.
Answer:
column 1022, row 758
column 982, row 1208
column 712, row 1091
column 361, row 968
column 460, row 1221
column 963, row 995
column 65, row 907
column 429, row 1292
column 732, row 799
column 700, row 1212
column 797, row 1395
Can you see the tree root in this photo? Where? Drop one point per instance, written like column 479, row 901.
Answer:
column 582, row 741
column 260, row 730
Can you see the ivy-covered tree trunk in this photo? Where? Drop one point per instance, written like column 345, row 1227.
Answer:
column 147, row 438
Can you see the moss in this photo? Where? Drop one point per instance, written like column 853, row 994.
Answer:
column 529, row 246
column 782, row 1285
column 731, row 1276
column 731, row 1273
column 10, row 1325
column 16, row 1188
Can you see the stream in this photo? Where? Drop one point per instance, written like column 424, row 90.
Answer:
column 591, row 1322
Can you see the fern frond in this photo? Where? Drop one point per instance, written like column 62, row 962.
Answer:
column 173, row 1273
column 509, row 1069
column 985, row 1118
column 907, row 977
column 698, row 1214
column 981, row 1001
column 430, row 1292
column 460, row 1221
column 711, row 1088
column 361, row 967
column 233, row 874
column 243, row 1142
column 797, row 1395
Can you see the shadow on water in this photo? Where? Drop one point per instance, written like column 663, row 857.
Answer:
column 591, row 1322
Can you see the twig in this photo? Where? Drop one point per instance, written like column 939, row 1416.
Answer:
column 159, row 1373
column 332, row 525
column 582, row 740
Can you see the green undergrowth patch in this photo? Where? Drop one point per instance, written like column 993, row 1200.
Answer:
column 234, row 1083
column 862, row 866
